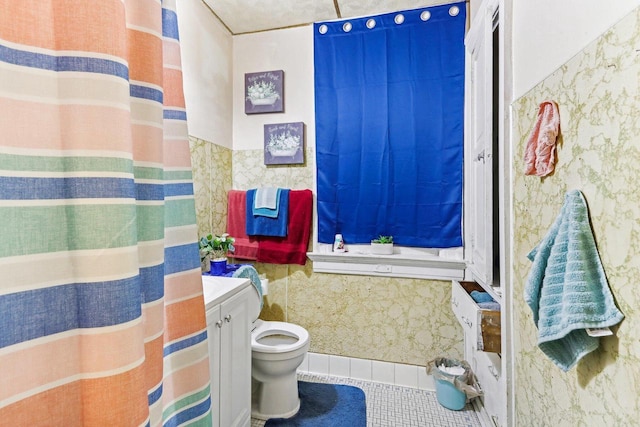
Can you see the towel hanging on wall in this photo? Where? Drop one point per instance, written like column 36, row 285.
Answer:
column 567, row 289
column 291, row 249
column 266, row 202
column 539, row 156
column 259, row 225
column 246, row 247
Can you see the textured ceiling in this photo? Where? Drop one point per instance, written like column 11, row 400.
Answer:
column 248, row 16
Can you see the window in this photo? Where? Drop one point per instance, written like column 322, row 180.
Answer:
column 389, row 127
column 389, row 138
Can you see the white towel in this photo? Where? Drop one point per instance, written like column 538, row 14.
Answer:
column 266, row 198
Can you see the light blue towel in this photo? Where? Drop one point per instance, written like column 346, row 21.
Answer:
column 249, row 272
column 567, row 289
column 489, row 305
column 266, row 226
column 479, row 296
column 266, row 202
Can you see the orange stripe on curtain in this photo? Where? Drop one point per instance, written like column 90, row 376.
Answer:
column 153, row 363
column 173, row 94
column 184, row 318
column 146, row 51
column 60, row 406
column 56, row 361
column 60, row 25
column 182, row 285
column 116, row 400
column 112, row 401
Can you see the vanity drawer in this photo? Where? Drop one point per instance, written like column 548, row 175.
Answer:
column 479, row 323
column 488, row 372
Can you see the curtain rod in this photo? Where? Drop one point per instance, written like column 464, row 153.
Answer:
column 468, row 2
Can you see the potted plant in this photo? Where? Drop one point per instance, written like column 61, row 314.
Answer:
column 382, row 245
column 215, row 249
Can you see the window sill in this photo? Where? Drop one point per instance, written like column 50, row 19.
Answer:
column 405, row 262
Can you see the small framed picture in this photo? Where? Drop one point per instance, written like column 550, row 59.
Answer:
column 263, row 92
column 284, row 143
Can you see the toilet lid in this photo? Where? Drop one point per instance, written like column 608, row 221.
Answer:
column 278, row 337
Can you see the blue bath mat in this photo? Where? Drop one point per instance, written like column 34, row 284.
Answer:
column 326, row 405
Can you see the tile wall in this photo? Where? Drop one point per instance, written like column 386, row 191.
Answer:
column 368, row 370
column 211, row 166
column 401, row 321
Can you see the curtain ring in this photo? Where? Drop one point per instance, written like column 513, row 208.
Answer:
column 371, row 23
column 322, row 29
column 399, row 19
column 425, row 15
column 454, row 10
column 347, row 27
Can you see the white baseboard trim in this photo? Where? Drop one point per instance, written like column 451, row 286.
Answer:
column 369, row 370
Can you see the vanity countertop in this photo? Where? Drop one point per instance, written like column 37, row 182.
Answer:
column 218, row 288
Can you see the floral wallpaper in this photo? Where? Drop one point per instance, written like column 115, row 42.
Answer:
column 394, row 320
column 211, row 165
column 598, row 93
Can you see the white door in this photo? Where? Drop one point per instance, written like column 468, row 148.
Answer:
column 478, row 147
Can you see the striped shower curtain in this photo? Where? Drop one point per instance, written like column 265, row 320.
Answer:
column 102, row 320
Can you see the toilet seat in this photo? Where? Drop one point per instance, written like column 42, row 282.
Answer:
column 299, row 337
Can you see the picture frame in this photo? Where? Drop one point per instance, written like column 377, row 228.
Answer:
column 264, row 92
column 284, row 143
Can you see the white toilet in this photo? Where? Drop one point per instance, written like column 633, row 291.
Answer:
column 277, row 349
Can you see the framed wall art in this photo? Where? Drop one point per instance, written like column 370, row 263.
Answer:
column 263, row 92
column 284, row 143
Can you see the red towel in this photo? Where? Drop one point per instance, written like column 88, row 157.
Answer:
column 246, row 247
column 291, row 249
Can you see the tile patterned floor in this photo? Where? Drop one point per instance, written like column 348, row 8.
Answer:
column 395, row 406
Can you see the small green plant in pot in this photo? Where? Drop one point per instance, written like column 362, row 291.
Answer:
column 215, row 247
column 382, row 245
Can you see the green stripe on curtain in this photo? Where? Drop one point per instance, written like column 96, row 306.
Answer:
column 152, row 227
column 16, row 162
column 148, row 173
column 37, row 229
column 179, row 212
column 178, row 175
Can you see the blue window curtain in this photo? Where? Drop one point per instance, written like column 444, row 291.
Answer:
column 389, row 93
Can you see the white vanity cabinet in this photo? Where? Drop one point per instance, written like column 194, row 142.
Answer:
column 229, row 329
